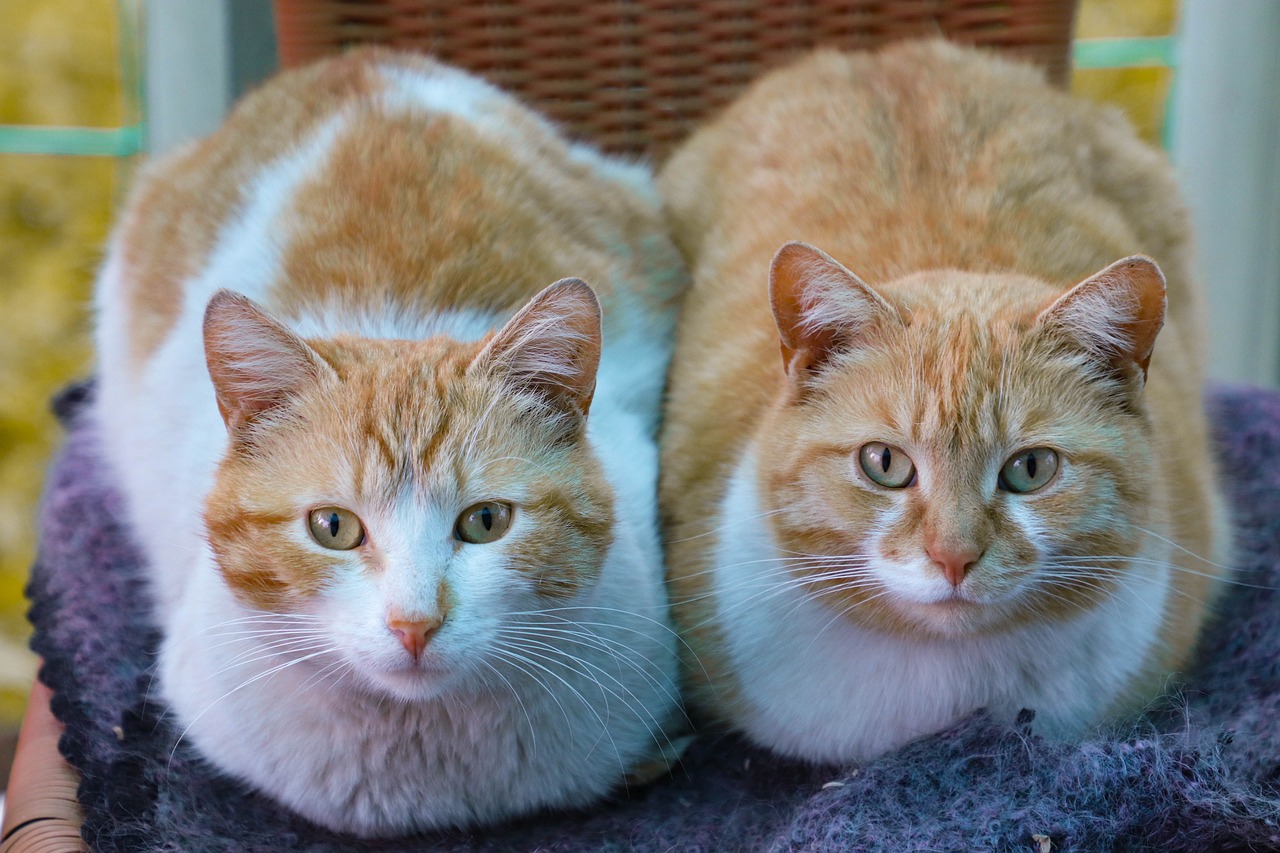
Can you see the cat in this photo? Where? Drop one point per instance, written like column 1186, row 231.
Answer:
column 393, row 476
column 918, row 456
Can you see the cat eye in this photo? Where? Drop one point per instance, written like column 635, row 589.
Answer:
column 335, row 528
column 1028, row 470
column 886, row 465
column 483, row 523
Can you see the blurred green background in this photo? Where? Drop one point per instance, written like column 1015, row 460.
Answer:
column 61, row 63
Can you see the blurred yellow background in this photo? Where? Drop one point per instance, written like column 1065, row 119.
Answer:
column 60, row 64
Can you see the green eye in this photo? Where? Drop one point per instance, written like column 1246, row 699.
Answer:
column 1029, row 470
column 483, row 523
column 886, row 465
column 335, row 528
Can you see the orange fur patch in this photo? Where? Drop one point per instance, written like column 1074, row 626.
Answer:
column 413, row 210
column 908, row 167
column 403, row 417
column 411, row 213
column 181, row 203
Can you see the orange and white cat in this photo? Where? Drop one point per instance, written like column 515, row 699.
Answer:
column 925, row 461
column 394, row 480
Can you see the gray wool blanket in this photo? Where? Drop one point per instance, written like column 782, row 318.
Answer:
column 1200, row 773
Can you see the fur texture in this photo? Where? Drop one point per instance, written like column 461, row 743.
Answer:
column 395, row 487
column 1201, row 777
column 966, row 483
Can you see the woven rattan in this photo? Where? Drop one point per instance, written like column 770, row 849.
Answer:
column 634, row 75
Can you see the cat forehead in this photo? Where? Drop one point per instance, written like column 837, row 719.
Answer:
column 967, row 369
column 358, row 358
column 408, row 415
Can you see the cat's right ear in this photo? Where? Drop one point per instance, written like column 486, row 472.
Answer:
column 820, row 307
column 256, row 364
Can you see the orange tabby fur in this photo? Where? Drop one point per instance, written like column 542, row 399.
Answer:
column 969, row 195
column 182, row 201
column 350, row 303
column 337, row 253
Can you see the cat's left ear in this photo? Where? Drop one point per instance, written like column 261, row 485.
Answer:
column 1115, row 314
column 820, row 307
column 551, row 347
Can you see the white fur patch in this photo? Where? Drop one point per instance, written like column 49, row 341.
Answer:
column 391, row 322
column 533, row 706
column 181, row 436
column 818, row 687
column 446, row 91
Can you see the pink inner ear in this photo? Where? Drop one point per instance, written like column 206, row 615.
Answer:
column 1117, row 312
column 254, row 362
column 819, row 306
column 552, row 346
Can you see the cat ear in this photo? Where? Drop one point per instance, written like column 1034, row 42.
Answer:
column 1115, row 314
column 820, row 307
column 255, row 363
column 552, row 346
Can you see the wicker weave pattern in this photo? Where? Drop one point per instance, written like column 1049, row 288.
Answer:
column 633, row 75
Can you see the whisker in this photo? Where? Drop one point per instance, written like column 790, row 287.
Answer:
column 769, row 591
column 533, row 730
column 594, row 641
column 636, row 707
column 842, row 614
column 512, row 655
column 1088, row 562
column 615, row 625
column 722, row 528
column 1182, row 549
column 265, row 674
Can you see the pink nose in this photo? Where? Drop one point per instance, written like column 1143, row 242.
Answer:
column 954, row 563
column 414, row 633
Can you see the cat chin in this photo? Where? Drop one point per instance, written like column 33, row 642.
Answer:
column 411, row 684
column 955, row 617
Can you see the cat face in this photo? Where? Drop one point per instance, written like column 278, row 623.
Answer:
column 970, row 457
column 392, row 507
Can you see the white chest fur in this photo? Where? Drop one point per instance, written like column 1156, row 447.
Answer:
column 816, row 686
column 556, row 729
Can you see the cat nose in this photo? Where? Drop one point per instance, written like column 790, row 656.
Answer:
column 955, row 563
column 415, row 632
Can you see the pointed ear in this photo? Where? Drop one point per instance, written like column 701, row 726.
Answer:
column 256, row 364
column 820, row 307
column 1114, row 314
column 552, row 346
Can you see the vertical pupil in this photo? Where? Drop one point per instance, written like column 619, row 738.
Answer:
column 486, row 518
column 885, row 459
column 1031, row 466
column 333, row 524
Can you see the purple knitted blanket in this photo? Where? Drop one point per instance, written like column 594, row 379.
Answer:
column 1200, row 774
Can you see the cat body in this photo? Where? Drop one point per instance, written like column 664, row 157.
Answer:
column 396, row 493
column 925, row 462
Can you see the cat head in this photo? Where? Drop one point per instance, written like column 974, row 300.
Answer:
column 962, row 452
column 388, row 504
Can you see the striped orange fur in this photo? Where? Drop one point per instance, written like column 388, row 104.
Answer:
column 381, row 365
column 957, row 199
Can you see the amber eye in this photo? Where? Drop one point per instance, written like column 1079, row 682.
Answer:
column 484, row 522
column 1028, row 470
column 336, row 528
column 887, row 465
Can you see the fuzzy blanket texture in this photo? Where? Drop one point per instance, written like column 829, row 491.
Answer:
column 1200, row 773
